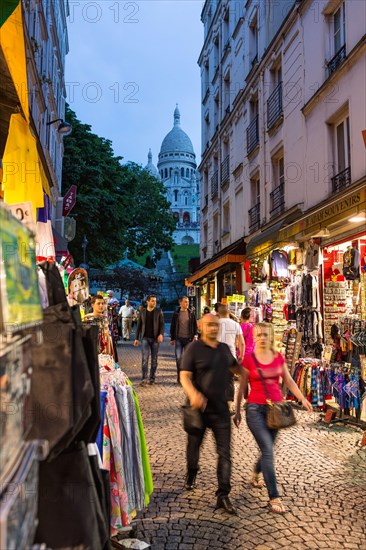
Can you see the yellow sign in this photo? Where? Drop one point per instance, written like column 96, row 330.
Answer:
column 337, row 209
column 229, row 299
column 238, row 298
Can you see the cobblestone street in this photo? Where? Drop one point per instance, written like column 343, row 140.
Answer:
column 321, row 474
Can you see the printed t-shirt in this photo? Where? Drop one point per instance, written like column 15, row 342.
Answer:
column 211, row 372
column 271, row 374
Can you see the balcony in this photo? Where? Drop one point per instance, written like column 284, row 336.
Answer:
column 217, row 70
column 341, row 180
column 226, row 49
column 254, row 61
column 214, row 184
column 274, row 106
column 225, row 171
column 254, row 218
column 252, row 135
column 207, row 93
column 205, row 204
column 337, row 60
column 277, row 200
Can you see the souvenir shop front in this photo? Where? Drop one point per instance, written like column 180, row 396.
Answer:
column 220, row 276
column 311, row 284
column 74, row 467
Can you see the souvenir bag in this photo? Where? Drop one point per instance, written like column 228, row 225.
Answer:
column 280, row 414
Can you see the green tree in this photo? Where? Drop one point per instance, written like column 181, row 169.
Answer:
column 131, row 281
column 118, row 206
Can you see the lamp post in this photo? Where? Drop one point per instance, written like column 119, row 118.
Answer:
column 84, row 244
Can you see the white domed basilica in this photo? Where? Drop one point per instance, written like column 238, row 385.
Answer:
column 177, row 169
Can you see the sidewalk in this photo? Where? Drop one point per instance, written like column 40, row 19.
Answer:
column 321, row 474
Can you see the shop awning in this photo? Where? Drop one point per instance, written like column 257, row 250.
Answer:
column 232, row 254
column 265, row 241
column 217, row 264
column 270, row 238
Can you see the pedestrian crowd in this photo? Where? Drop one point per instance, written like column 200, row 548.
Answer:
column 210, row 354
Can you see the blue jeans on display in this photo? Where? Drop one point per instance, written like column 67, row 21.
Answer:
column 221, row 427
column 180, row 344
column 265, row 438
column 149, row 345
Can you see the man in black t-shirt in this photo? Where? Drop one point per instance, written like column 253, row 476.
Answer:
column 150, row 327
column 205, row 377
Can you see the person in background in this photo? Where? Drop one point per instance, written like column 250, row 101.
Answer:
column 150, row 327
column 273, row 367
column 127, row 314
column 247, row 329
column 206, row 310
column 183, row 330
column 230, row 333
column 205, row 374
column 112, row 300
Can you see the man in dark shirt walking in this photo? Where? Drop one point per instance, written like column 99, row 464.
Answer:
column 183, row 329
column 150, row 327
column 205, row 375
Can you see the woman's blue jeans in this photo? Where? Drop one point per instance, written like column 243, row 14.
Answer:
column 265, row 438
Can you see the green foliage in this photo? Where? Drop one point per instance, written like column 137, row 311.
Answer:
column 127, row 280
column 118, row 206
column 182, row 253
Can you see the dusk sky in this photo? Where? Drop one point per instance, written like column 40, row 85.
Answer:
column 129, row 63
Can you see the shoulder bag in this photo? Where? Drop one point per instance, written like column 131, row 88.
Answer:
column 280, row 414
column 192, row 420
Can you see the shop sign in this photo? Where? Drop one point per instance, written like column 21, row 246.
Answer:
column 23, row 211
column 325, row 214
column 69, row 201
column 69, row 229
column 191, row 291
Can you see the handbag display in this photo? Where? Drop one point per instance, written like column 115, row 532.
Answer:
column 192, row 420
column 280, row 414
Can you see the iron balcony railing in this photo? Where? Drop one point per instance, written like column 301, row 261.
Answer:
column 225, row 170
column 205, row 204
column 254, row 61
column 252, row 135
column 254, row 217
column 214, row 184
column 277, row 199
column 274, row 106
column 339, row 57
column 341, row 180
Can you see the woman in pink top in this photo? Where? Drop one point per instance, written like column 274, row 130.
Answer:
column 273, row 368
column 247, row 330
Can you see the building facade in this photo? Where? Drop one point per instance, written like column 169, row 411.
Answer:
column 177, row 169
column 283, row 109
column 47, row 46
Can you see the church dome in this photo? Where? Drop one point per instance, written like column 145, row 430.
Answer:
column 176, row 140
column 150, row 166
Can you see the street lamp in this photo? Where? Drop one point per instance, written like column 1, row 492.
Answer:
column 84, row 244
column 64, row 128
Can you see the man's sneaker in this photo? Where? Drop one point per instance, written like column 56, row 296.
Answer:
column 225, row 504
column 143, row 382
column 151, row 381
